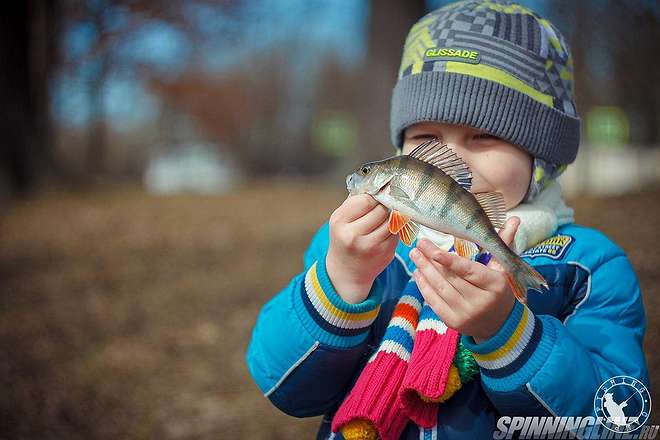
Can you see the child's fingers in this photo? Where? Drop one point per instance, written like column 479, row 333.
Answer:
column 354, row 207
column 435, row 301
column 469, row 291
column 371, row 220
column 507, row 234
column 390, row 243
column 443, row 288
column 475, row 273
column 382, row 233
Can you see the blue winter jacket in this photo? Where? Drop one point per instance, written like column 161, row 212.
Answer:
column 309, row 346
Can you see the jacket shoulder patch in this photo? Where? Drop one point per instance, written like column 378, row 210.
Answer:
column 553, row 247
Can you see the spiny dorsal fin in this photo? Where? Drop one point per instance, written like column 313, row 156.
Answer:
column 440, row 155
column 494, row 207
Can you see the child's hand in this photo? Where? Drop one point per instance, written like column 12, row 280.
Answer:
column 468, row 296
column 361, row 246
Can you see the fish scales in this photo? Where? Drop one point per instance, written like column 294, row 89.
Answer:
column 418, row 188
column 438, row 195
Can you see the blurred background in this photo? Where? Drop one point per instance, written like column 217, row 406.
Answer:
column 164, row 164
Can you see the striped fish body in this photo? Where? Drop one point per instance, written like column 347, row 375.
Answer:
column 430, row 186
column 430, row 197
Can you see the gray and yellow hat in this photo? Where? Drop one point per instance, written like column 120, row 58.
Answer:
column 496, row 66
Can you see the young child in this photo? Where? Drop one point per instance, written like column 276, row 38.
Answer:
column 370, row 319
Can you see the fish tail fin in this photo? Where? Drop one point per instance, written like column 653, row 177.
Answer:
column 524, row 277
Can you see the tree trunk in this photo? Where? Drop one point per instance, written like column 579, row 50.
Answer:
column 28, row 46
column 390, row 21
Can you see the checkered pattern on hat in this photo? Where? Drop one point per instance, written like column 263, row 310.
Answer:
column 509, row 37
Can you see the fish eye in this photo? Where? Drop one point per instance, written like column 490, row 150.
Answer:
column 365, row 170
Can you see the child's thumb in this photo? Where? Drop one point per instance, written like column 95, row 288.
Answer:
column 508, row 232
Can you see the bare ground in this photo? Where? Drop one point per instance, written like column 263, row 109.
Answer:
column 124, row 315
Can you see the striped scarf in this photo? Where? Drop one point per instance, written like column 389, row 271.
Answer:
column 419, row 364
column 420, row 361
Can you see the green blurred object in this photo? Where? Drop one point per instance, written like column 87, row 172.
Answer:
column 608, row 126
column 334, row 132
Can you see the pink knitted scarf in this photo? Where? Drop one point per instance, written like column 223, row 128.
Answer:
column 418, row 365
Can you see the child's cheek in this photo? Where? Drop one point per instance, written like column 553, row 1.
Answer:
column 507, row 174
column 517, row 181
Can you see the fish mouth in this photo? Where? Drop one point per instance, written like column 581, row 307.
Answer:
column 350, row 184
column 357, row 184
column 354, row 184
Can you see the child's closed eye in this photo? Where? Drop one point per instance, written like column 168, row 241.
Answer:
column 487, row 136
column 421, row 137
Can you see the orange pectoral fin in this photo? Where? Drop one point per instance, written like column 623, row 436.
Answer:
column 409, row 232
column 397, row 221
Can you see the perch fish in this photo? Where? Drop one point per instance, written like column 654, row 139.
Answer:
column 431, row 186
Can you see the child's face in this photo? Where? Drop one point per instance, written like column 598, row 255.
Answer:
column 496, row 164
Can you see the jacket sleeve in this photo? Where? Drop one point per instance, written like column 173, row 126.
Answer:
column 539, row 365
column 307, row 342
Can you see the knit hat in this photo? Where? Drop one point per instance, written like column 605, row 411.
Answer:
column 496, row 66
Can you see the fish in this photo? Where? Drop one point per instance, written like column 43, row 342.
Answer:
column 431, row 187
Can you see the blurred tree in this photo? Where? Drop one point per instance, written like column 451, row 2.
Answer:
column 29, row 33
column 389, row 23
column 221, row 106
column 616, row 53
column 273, row 78
column 635, row 49
column 261, row 106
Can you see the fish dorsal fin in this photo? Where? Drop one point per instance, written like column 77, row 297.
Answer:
column 441, row 156
column 494, row 207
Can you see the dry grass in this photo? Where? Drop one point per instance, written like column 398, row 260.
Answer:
column 124, row 315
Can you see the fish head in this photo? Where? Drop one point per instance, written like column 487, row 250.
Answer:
column 368, row 179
